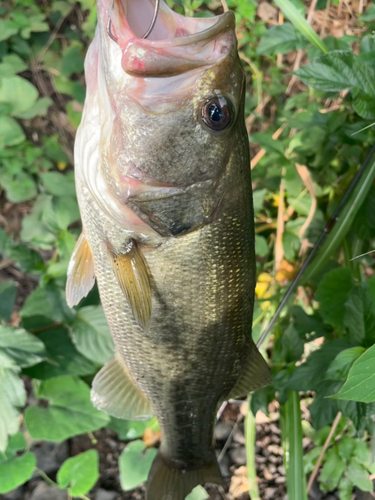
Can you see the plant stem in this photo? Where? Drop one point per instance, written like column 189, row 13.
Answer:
column 250, row 432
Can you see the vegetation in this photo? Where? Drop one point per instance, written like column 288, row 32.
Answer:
column 310, row 115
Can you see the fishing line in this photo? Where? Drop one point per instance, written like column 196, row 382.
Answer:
column 153, row 22
column 332, row 221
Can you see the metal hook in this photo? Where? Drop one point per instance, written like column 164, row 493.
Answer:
column 153, row 22
column 148, row 32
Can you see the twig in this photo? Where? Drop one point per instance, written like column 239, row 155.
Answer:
column 6, row 263
column 225, row 5
column 229, row 440
column 279, row 249
column 325, row 446
column 279, row 60
column 306, row 178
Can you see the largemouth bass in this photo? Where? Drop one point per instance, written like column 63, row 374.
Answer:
column 164, row 189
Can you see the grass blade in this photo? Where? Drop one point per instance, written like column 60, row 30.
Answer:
column 291, row 429
column 345, row 222
column 300, row 23
column 250, row 432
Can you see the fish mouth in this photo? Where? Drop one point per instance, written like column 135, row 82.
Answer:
column 175, row 45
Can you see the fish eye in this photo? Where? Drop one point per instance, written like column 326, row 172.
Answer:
column 217, row 113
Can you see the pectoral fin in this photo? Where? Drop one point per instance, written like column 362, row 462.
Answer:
column 81, row 276
column 114, row 391
column 132, row 274
column 256, row 375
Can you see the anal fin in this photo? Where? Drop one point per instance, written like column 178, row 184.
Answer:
column 115, row 392
column 81, row 277
column 256, row 374
column 133, row 277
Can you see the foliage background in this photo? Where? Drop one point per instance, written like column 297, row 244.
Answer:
column 311, row 126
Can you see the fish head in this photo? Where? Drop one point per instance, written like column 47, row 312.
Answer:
column 173, row 110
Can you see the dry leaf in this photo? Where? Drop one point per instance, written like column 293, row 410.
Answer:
column 239, row 483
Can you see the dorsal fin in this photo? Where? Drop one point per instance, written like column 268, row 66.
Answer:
column 81, row 277
column 132, row 274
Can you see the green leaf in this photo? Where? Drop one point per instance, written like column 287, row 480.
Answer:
column 261, row 246
column 345, row 488
column 11, row 65
column 40, row 108
column 59, row 212
column 340, row 366
column 12, row 396
column 332, row 471
column 359, row 476
column 332, row 294
column 11, row 133
column 360, row 385
column 280, row 40
column 128, row 429
column 72, row 61
column 62, row 358
column 346, row 447
column 16, row 471
column 199, row 493
column 18, row 92
column 8, row 292
column 59, row 184
column 19, row 348
column 80, row 473
column 360, row 314
column 19, row 187
column 292, row 443
column 69, row 412
column 7, row 29
column 134, row 464
column 91, row 334
column 341, row 70
column 298, row 20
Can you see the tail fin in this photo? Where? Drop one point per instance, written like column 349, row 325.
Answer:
column 169, row 483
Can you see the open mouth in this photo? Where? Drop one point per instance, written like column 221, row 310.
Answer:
column 134, row 17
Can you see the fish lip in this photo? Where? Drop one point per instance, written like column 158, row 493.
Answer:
column 224, row 22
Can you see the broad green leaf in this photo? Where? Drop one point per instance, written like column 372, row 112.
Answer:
column 360, row 385
column 199, row 493
column 7, row 29
column 292, row 13
column 60, row 212
column 310, row 458
column 61, row 358
column 91, row 334
column 8, row 292
column 332, row 293
column 280, row 40
column 19, row 92
column 33, row 230
column 69, row 412
column 59, row 184
column 134, row 464
column 79, row 474
column 332, row 471
column 20, row 187
column 345, row 488
column 27, row 259
column 360, row 314
column 19, row 348
column 261, row 246
column 341, row 70
column 72, row 60
column 128, row 429
column 340, row 366
column 292, row 444
column 48, row 300
column 346, row 447
column 359, row 476
column 15, row 471
column 12, row 397
column 40, row 108
column 11, row 132
column 11, row 65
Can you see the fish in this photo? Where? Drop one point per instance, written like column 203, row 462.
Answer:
column 165, row 195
